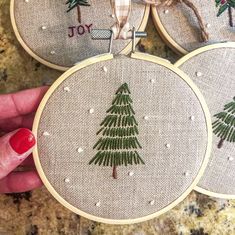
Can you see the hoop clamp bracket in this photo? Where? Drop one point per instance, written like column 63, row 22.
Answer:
column 107, row 34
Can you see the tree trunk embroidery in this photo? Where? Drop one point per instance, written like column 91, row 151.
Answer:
column 115, row 172
column 230, row 15
column 224, row 126
column 220, row 144
column 76, row 4
column 226, row 5
column 118, row 144
column 79, row 14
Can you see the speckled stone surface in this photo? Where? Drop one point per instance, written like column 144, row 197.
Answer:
column 38, row 212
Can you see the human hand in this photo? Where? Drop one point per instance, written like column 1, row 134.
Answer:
column 17, row 111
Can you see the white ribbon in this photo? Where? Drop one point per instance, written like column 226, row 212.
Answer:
column 121, row 10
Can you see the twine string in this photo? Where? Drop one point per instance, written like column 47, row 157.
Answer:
column 188, row 3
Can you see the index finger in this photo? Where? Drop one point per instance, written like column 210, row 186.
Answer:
column 21, row 103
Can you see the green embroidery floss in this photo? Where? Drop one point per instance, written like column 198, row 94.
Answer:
column 119, row 129
column 77, row 3
column 226, row 5
column 224, row 126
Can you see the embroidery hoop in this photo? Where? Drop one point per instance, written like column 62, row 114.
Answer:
column 107, row 57
column 46, row 62
column 178, row 64
column 169, row 40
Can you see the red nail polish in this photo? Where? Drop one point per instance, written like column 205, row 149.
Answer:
column 22, row 141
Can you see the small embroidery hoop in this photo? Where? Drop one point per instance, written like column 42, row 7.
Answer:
column 176, row 47
column 20, row 39
column 106, row 57
column 165, row 36
column 178, row 64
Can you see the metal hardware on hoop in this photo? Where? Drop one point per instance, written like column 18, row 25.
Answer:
column 107, row 34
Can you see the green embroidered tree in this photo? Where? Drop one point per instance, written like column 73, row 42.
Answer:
column 224, row 126
column 226, row 5
column 77, row 3
column 118, row 144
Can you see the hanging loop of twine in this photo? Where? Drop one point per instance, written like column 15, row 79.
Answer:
column 188, row 3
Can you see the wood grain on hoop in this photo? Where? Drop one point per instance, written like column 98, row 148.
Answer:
column 124, row 51
column 164, row 34
column 181, row 62
column 138, row 56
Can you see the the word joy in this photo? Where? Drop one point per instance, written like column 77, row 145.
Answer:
column 79, row 30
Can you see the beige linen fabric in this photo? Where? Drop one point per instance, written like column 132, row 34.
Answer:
column 67, row 51
column 158, row 93
column 217, row 84
column 182, row 26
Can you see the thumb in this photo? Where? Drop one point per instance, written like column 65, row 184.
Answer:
column 15, row 147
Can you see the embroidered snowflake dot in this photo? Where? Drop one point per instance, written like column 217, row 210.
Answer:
column 91, row 111
column 230, row 158
column 79, row 150
column 66, row 89
column 131, row 173
column 98, row 204
column 166, row 11
column 186, row 173
column 152, row 202
column 146, row 118
column 43, row 27
column 152, row 81
column 168, row 146
column 112, row 15
column 105, row 69
column 66, row 180
column 45, row 133
column 198, row 74
column 52, row 52
column 208, row 25
column 192, row 118
column 26, row 1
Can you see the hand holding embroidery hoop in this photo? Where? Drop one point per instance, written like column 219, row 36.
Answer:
column 116, row 139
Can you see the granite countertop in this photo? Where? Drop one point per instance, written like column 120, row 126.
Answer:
column 38, row 212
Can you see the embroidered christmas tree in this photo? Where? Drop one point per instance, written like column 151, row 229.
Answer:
column 118, row 143
column 226, row 5
column 76, row 4
column 224, row 126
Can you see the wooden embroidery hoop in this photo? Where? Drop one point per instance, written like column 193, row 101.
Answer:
column 166, row 36
column 178, row 64
column 106, row 57
column 124, row 51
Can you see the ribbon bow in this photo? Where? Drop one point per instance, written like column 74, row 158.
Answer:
column 122, row 9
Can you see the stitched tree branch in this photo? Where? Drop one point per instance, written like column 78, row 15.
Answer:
column 118, row 143
column 224, row 126
column 77, row 3
column 224, row 5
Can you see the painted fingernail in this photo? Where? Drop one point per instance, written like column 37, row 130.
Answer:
column 22, row 141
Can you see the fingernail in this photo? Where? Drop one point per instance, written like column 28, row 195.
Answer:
column 22, row 141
